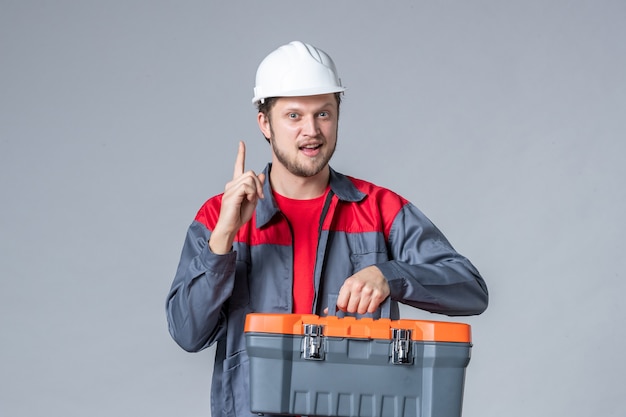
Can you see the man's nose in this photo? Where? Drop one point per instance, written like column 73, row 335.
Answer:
column 310, row 126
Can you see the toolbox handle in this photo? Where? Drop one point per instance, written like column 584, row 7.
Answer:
column 385, row 308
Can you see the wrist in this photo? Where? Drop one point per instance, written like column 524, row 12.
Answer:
column 221, row 242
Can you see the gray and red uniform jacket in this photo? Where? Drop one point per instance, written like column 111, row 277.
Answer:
column 361, row 225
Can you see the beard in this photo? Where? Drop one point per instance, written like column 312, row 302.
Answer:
column 313, row 166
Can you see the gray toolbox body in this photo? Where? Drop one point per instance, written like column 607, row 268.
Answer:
column 311, row 366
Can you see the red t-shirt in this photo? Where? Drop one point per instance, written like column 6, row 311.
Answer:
column 304, row 216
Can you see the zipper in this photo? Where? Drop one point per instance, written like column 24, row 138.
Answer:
column 293, row 260
column 319, row 289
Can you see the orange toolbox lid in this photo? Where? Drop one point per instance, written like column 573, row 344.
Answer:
column 363, row 328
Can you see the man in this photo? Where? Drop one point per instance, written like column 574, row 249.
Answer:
column 300, row 237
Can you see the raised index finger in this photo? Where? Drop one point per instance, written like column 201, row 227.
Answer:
column 240, row 162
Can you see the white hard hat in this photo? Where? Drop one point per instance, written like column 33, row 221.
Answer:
column 296, row 69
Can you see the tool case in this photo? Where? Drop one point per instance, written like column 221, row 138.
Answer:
column 309, row 365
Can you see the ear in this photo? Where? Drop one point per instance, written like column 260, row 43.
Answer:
column 264, row 125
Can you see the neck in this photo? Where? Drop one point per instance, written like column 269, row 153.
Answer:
column 298, row 188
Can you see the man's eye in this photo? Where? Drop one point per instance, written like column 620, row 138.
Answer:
column 293, row 115
column 324, row 114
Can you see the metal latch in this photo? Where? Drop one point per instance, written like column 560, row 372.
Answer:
column 313, row 342
column 401, row 349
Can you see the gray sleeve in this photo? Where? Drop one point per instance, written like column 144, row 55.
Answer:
column 202, row 285
column 427, row 273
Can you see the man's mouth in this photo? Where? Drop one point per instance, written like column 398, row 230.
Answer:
column 310, row 147
column 311, row 150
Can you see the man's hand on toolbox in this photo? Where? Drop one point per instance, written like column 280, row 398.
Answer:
column 363, row 292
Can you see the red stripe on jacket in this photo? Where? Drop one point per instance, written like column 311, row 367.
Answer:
column 374, row 213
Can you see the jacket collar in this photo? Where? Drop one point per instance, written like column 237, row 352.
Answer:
column 340, row 185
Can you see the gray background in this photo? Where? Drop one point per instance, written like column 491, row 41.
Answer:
column 503, row 121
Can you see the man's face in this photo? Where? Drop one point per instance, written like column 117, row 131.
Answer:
column 302, row 132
